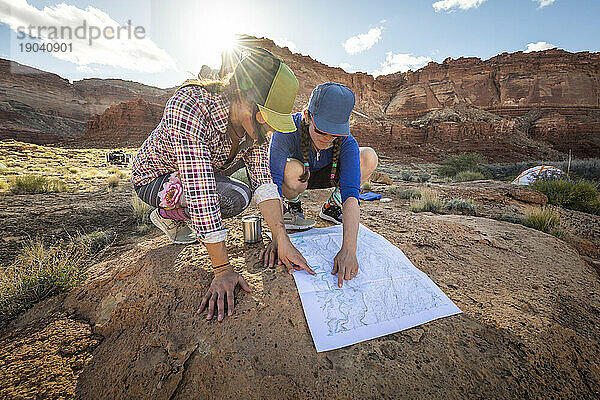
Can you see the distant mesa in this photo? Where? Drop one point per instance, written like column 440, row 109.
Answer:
column 540, row 105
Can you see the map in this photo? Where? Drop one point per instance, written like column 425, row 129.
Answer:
column 388, row 295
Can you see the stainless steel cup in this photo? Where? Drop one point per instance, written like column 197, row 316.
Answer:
column 252, row 229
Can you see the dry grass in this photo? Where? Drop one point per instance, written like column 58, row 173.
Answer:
column 39, row 272
column 32, row 184
column 545, row 219
column 428, row 202
column 141, row 211
column 113, row 181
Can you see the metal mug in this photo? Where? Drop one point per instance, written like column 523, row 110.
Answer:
column 252, row 229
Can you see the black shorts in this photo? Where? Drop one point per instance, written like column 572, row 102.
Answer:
column 321, row 178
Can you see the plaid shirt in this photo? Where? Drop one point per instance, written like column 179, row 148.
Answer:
column 191, row 138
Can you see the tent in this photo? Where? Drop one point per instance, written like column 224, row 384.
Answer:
column 545, row 172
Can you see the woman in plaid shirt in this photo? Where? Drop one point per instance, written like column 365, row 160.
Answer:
column 206, row 133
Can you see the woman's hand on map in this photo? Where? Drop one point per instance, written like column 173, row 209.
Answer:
column 345, row 265
column 283, row 252
column 222, row 287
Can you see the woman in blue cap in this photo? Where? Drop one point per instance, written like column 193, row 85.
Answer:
column 322, row 153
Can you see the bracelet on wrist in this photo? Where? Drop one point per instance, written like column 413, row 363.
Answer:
column 221, row 268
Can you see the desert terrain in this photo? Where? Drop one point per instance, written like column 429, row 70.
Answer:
column 123, row 323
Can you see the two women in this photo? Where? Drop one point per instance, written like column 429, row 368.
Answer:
column 322, row 153
column 208, row 131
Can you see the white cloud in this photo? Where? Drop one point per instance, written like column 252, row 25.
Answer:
column 452, row 5
column 544, row 3
column 400, row 63
column 87, row 70
column 284, row 42
column 126, row 51
column 363, row 41
column 539, row 46
column 347, row 67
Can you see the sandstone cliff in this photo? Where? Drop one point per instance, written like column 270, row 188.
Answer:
column 41, row 107
column 124, row 124
column 540, row 105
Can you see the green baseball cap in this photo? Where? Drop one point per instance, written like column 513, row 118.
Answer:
column 275, row 83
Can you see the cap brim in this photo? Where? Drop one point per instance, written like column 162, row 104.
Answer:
column 331, row 128
column 280, row 122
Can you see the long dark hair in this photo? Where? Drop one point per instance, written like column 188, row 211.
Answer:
column 305, row 147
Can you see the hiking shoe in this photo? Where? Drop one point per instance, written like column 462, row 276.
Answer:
column 331, row 214
column 294, row 219
column 178, row 232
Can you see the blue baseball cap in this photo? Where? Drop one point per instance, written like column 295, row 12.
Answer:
column 330, row 106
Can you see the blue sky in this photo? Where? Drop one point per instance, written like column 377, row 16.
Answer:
column 375, row 36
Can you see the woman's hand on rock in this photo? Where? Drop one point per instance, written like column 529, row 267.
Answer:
column 220, row 290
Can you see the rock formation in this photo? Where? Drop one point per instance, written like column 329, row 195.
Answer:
column 555, row 91
column 123, row 124
column 41, row 107
column 528, row 329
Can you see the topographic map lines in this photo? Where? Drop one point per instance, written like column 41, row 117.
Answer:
column 388, row 294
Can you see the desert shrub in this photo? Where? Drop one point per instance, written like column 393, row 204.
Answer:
column 463, row 162
column 461, row 205
column 545, row 219
column 113, row 181
column 580, row 196
column 423, row 177
column 429, row 201
column 97, row 241
column 513, row 219
column 32, row 184
column 241, row 176
column 37, row 273
column 403, row 193
column 583, row 169
column 406, row 176
column 73, row 170
column 366, row 186
column 117, row 172
column 580, row 169
column 467, row 176
column 3, row 186
column 141, row 211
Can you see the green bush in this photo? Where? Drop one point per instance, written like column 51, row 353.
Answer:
column 580, row 196
column 461, row 205
column 513, row 219
column 423, row 177
column 463, row 162
column 37, row 273
column 545, row 219
column 366, row 186
column 429, row 201
column 467, row 176
column 402, row 193
column 407, row 176
column 32, row 184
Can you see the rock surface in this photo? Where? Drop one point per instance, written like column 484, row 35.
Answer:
column 528, row 327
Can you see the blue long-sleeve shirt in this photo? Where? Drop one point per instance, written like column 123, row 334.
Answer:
column 288, row 145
